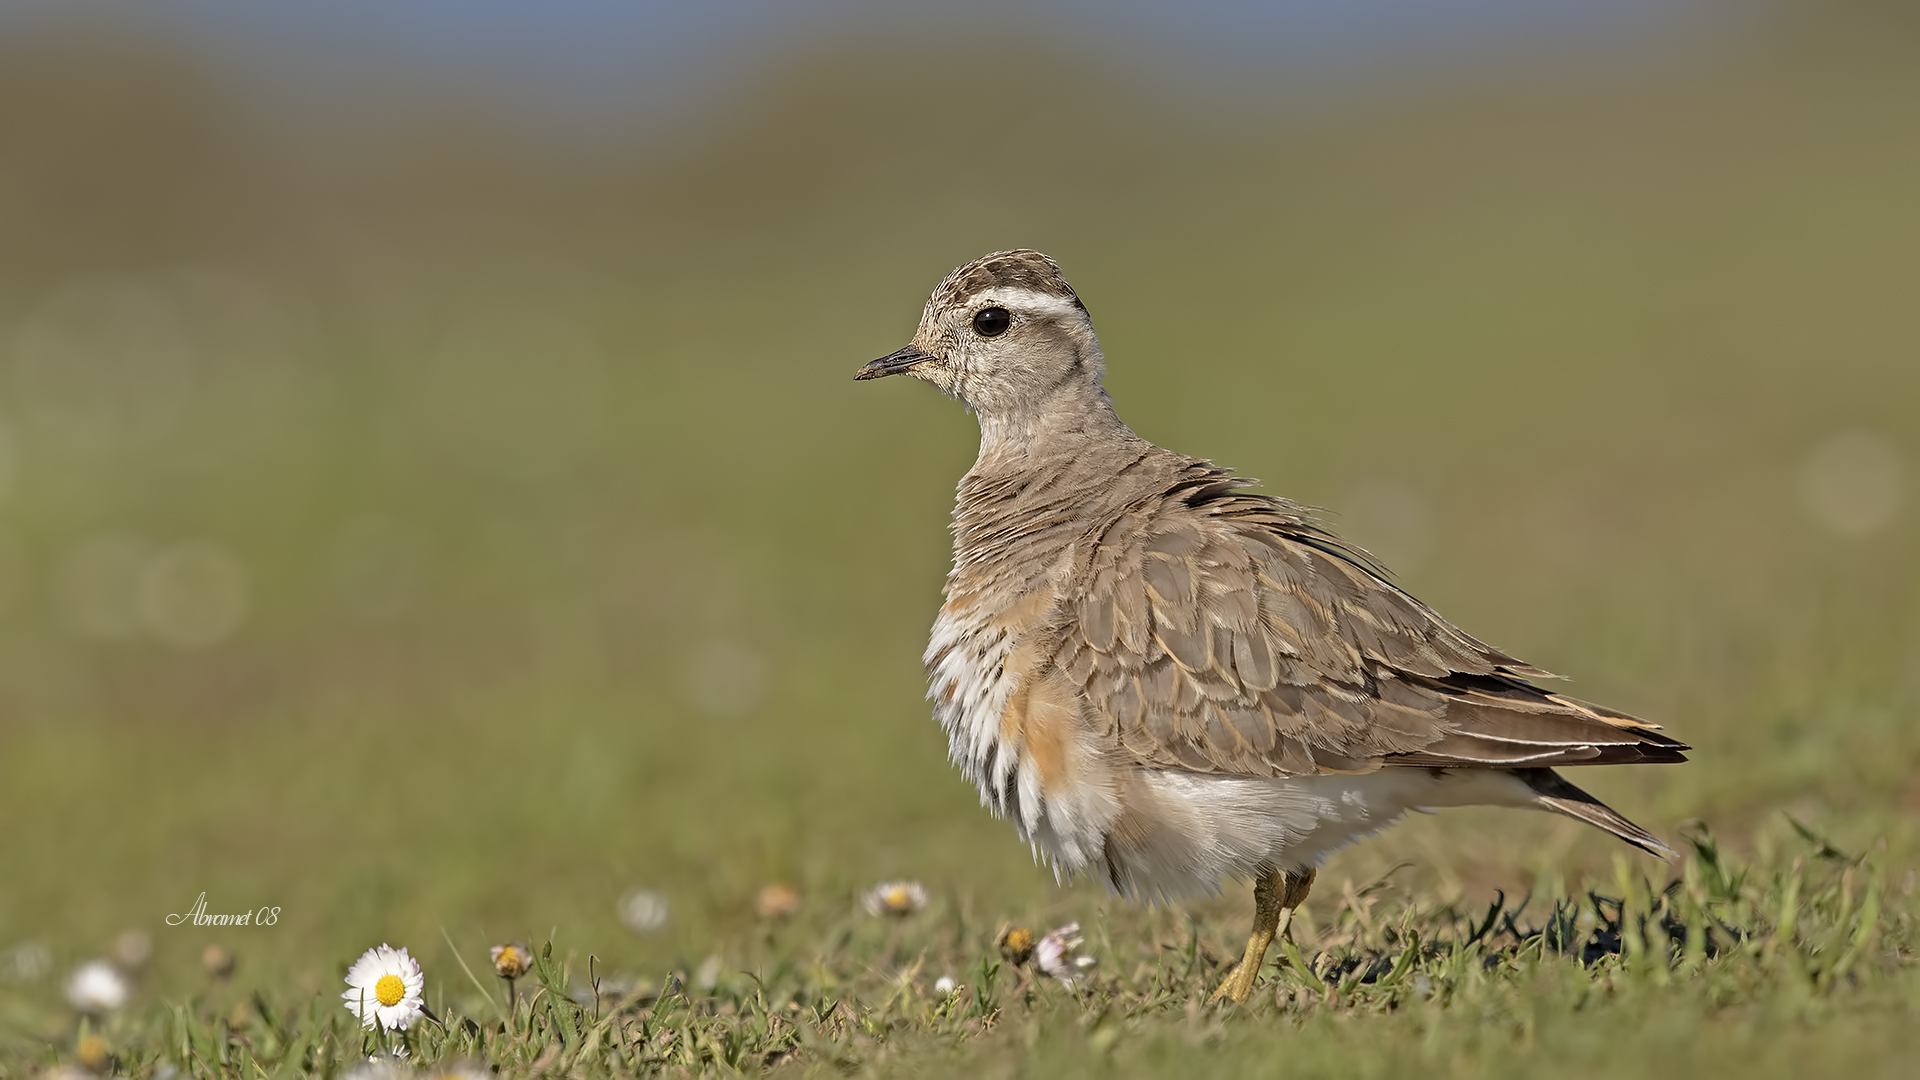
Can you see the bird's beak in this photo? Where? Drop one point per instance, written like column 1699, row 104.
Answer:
column 893, row 363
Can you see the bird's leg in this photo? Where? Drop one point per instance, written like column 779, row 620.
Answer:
column 1268, row 889
column 1275, row 894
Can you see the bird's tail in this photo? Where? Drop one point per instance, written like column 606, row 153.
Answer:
column 1552, row 792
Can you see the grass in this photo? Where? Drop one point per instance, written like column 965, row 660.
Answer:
column 439, row 535
column 1800, row 961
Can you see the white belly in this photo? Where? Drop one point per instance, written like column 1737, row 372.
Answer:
column 1203, row 828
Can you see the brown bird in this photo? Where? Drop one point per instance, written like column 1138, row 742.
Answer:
column 1164, row 679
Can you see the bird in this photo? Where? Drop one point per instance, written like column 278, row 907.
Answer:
column 1166, row 680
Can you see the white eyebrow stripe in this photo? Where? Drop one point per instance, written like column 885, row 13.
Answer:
column 1031, row 302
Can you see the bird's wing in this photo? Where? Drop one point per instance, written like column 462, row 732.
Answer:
column 1221, row 632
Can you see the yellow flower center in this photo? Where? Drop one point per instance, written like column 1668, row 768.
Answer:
column 389, row 990
column 898, row 898
column 1016, row 944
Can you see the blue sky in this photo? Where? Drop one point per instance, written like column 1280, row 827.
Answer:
column 577, row 56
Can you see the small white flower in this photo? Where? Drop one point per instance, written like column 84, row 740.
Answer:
column 1054, row 954
column 30, row 961
column 384, row 987
column 96, row 987
column 945, row 985
column 708, row 976
column 512, row 960
column 132, row 949
column 896, row 898
column 643, row 910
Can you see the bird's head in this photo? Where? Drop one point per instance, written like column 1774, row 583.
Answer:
column 1006, row 335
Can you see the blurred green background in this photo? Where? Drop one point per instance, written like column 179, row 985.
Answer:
column 429, row 513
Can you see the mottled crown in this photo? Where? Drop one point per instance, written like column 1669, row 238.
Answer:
column 1021, row 268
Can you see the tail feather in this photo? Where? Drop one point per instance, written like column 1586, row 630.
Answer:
column 1552, row 792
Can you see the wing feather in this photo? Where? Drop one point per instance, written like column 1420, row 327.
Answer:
column 1221, row 632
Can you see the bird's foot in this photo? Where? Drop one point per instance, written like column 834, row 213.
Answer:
column 1238, row 983
column 1275, row 894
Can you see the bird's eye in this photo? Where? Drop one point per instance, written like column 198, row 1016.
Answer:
column 991, row 322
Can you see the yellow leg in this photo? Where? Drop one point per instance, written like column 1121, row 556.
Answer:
column 1275, row 894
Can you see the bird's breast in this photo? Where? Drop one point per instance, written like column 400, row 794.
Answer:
column 1016, row 726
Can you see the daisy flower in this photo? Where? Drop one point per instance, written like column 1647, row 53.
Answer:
column 219, row 962
column 384, row 987
column 896, row 898
column 1054, row 954
column 643, row 910
column 511, row 961
column 28, row 961
column 96, row 987
column 132, row 949
column 94, row 1053
column 708, row 976
column 1016, row 944
column 777, row 901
